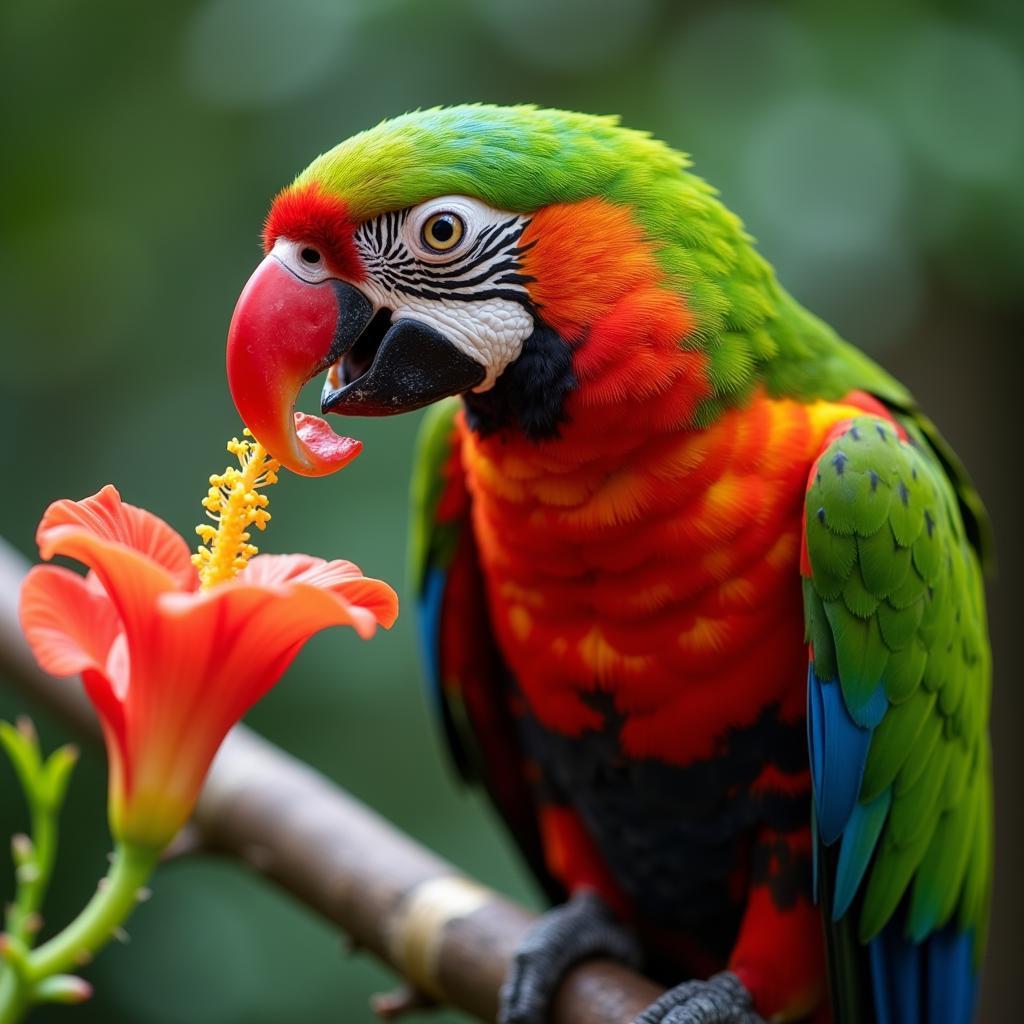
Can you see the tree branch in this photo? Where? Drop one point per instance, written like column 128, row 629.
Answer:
column 450, row 936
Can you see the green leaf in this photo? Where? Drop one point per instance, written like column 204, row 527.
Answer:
column 57, row 774
column 22, row 746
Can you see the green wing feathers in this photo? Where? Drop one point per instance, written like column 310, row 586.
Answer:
column 896, row 619
column 431, row 541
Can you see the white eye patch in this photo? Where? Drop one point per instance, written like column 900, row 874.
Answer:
column 452, row 263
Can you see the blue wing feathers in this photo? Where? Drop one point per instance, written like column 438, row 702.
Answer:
column 430, row 604
column 874, row 710
column 839, row 751
column 859, row 839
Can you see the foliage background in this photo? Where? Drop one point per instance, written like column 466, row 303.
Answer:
column 875, row 150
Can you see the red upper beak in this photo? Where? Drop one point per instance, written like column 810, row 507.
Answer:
column 283, row 332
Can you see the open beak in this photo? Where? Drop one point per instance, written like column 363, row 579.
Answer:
column 285, row 330
column 397, row 367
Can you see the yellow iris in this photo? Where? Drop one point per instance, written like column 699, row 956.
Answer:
column 443, row 231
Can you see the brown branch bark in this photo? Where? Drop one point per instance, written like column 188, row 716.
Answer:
column 448, row 935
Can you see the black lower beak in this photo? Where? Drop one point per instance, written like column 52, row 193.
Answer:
column 413, row 366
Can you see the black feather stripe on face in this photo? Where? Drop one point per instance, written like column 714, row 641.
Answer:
column 488, row 269
column 531, row 393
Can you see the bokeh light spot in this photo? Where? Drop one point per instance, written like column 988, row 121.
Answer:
column 962, row 98
column 873, row 296
column 569, row 35
column 821, row 171
column 250, row 53
column 732, row 59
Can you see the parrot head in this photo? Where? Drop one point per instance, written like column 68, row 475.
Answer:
column 505, row 254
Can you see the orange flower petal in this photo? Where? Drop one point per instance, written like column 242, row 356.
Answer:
column 171, row 668
column 69, row 625
column 72, row 626
column 340, row 577
column 105, row 516
column 211, row 656
column 273, row 570
column 132, row 581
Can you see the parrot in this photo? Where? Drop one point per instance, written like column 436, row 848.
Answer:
column 700, row 586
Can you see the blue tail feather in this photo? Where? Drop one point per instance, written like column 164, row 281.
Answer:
column 896, row 977
column 932, row 982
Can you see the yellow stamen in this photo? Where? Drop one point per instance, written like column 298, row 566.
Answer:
column 234, row 504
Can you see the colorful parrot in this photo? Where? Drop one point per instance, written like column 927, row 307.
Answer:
column 700, row 585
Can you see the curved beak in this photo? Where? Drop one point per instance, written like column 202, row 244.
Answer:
column 284, row 331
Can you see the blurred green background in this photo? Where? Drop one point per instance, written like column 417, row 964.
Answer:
column 875, row 150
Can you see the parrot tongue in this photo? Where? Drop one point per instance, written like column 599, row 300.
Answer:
column 324, row 450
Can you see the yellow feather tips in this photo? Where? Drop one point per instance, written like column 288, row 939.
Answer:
column 235, row 505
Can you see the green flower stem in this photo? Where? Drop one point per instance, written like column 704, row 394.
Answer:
column 95, row 925
column 13, row 995
column 85, row 936
column 30, row 893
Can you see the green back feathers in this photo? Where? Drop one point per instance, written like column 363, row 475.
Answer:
column 431, row 543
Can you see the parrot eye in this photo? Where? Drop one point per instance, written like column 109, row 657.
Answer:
column 443, row 231
column 310, row 256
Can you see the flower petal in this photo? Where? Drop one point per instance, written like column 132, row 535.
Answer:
column 69, row 625
column 72, row 626
column 131, row 579
column 340, row 577
column 210, row 656
column 105, row 516
column 272, row 570
column 227, row 646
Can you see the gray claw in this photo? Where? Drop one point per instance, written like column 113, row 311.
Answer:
column 722, row 999
column 578, row 930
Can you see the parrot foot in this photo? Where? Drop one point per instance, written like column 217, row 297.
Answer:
column 722, row 999
column 577, row 930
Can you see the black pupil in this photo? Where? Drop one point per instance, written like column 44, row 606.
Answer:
column 443, row 229
column 310, row 255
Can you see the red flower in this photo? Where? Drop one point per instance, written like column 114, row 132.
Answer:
column 171, row 668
